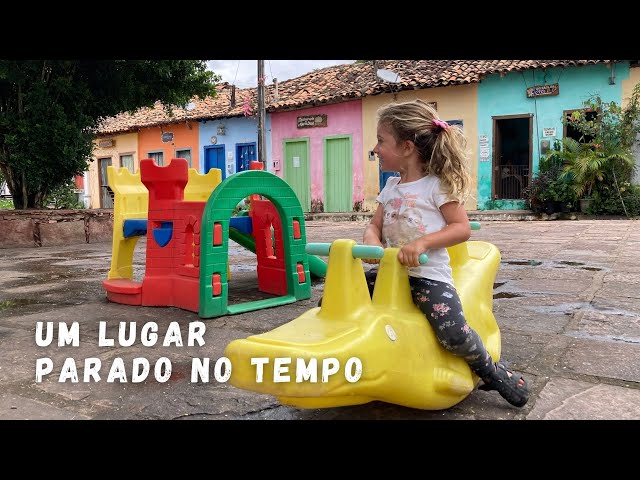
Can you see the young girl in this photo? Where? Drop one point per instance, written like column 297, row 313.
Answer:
column 422, row 211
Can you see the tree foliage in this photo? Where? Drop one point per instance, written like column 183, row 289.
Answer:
column 608, row 156
column 50, row 110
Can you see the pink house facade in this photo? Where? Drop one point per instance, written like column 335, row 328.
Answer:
column 319, row 152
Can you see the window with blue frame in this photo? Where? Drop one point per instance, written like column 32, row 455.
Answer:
column 245, row 154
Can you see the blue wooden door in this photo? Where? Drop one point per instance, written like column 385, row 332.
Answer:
column 384, row 176
column 214, row 158
column 245, row 154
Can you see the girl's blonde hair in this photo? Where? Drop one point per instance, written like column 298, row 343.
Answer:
column 442, row 148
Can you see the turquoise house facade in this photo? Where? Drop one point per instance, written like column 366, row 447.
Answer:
column 514, row 128
column 231, row 144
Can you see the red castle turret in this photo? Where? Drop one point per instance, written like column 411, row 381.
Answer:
column 172, row 273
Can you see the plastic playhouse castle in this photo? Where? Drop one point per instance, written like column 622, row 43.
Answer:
column 187, row 220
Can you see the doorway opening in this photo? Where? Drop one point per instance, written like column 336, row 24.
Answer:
column 106, row 194
column 512, row 153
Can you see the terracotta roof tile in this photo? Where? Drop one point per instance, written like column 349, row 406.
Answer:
column 208, row 108
column 333, row 84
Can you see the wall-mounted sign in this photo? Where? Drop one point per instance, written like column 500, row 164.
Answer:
column 483, row 143
column 549, row 132
column 105, row 143
column 310, row 121
column 167, row 137
column 543, row 90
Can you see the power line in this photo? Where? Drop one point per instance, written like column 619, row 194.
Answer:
column 237, row 68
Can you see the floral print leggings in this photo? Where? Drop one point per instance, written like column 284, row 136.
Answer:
column 441, row 305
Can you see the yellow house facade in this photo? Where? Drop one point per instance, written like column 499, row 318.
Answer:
column 119, row 150
column 629, row 83
column 455, row 102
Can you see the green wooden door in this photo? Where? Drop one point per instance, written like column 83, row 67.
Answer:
column 296, row 170
column 338, row 173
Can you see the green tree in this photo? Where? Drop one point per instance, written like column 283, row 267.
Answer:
column 608, row 157
column 50, row 110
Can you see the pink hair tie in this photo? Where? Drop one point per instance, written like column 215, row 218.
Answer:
column 440, row 124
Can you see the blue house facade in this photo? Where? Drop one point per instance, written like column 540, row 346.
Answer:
column 230, row 144
column 520, row 116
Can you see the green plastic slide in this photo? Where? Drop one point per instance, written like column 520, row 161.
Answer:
column 317, row 266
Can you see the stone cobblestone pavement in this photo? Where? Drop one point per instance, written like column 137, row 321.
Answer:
column 567, row 299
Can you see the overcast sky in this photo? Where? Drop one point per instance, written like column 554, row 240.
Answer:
column 243, row 73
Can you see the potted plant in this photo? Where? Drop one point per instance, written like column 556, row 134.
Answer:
column 549, row 191
column 536, row 192
column 563, row 194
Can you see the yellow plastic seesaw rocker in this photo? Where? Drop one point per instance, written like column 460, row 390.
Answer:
column 355, row 349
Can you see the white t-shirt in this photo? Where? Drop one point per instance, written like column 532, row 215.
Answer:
column 412, row 210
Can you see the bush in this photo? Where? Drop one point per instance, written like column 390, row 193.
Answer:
column 550, row 185
column 606, row 200
column 64, row 197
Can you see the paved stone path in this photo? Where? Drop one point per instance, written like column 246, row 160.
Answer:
column 567, row 299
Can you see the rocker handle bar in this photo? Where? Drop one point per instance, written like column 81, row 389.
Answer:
column 358, row 251
column 366, row 251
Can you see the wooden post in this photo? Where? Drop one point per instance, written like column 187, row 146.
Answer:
column 262, row 129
